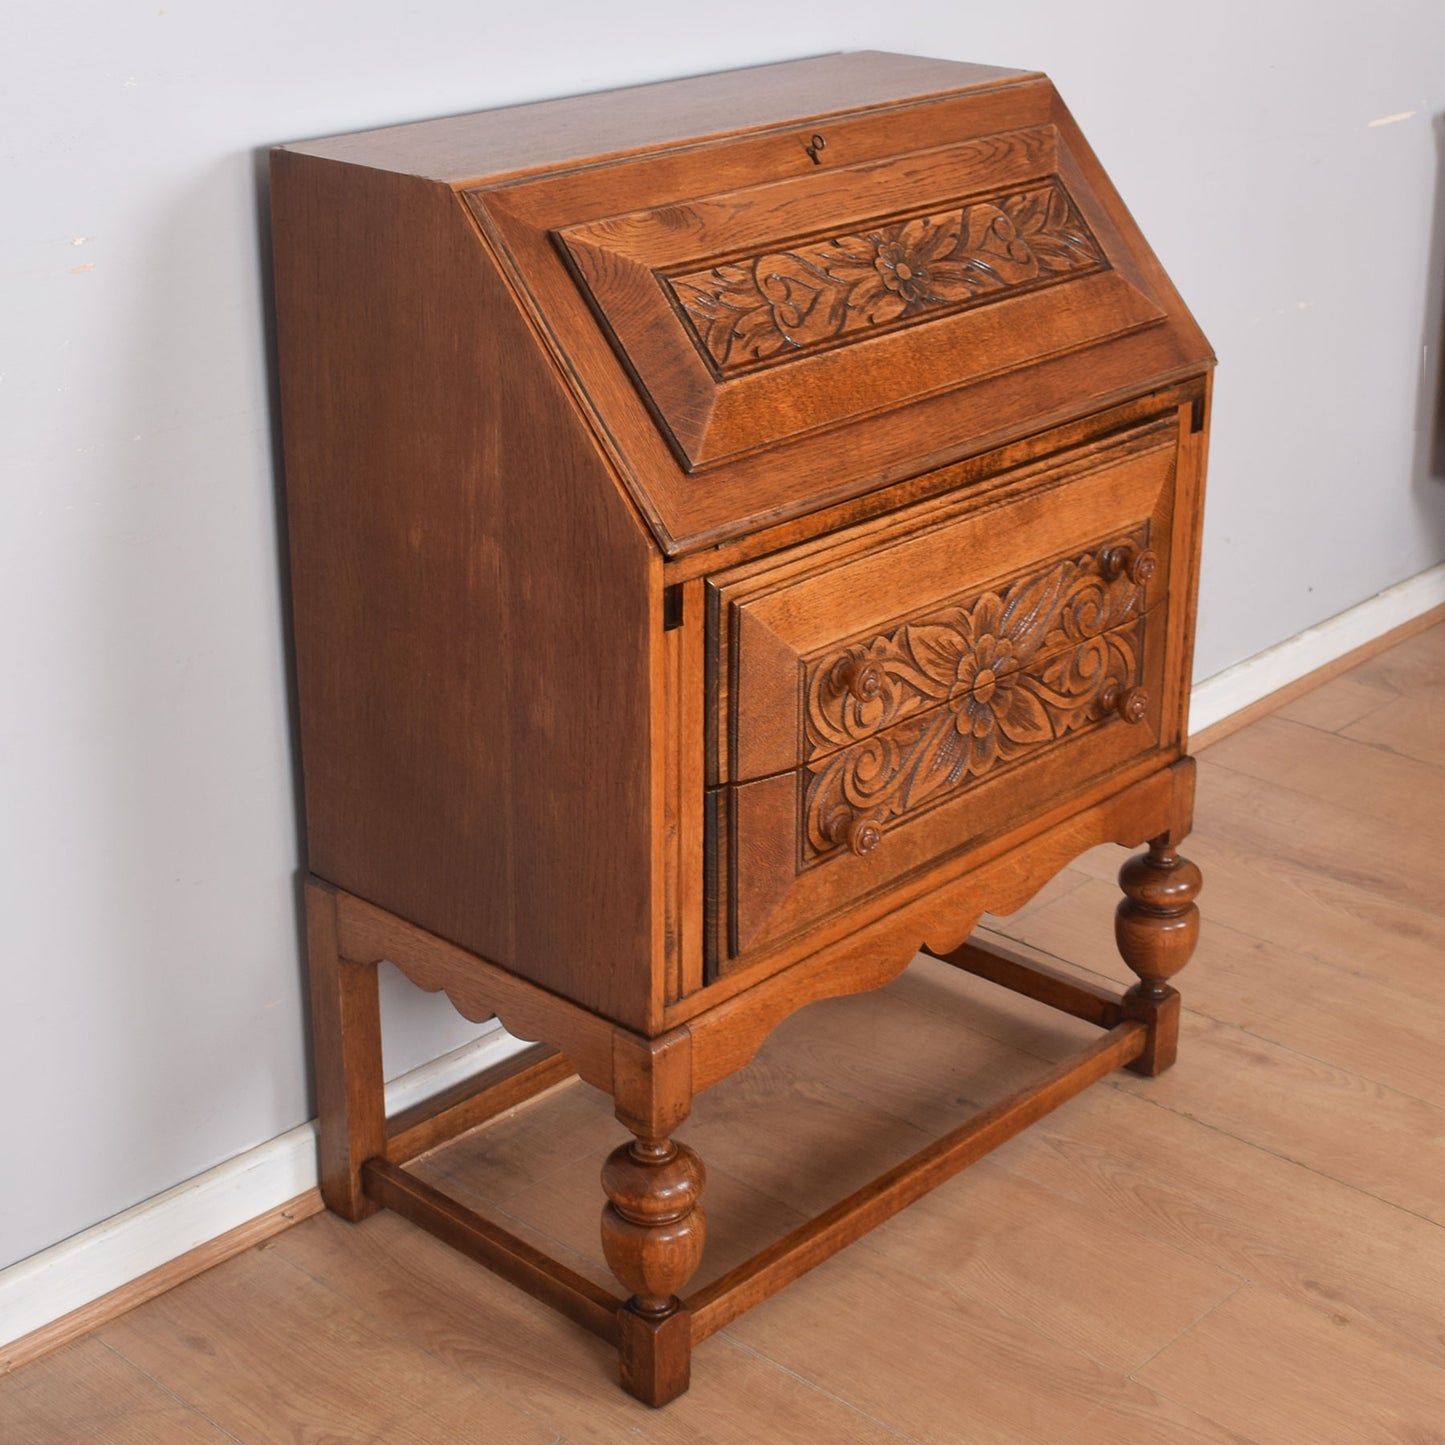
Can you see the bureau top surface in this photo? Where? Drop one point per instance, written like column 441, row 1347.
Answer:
column 494, row 143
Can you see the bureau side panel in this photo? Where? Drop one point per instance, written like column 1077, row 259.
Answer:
column 474, row 602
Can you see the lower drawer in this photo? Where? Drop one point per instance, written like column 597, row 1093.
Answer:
column 791, row 849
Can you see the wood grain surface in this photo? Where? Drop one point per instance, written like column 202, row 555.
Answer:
column 845, row 422
column 549, row 134
column 457, row 541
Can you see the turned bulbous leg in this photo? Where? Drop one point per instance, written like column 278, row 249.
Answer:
column 652, row 1225
column 1156, row 927
column 652, row 1237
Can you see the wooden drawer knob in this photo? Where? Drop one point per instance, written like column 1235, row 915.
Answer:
column 1131, row 703
column 861, row 834
column 1139, row 564
column 860, row 680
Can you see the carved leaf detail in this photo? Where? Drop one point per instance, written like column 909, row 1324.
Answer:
column 965, row 690
column 788, row 300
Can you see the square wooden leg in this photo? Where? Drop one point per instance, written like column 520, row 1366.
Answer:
column 346, row 1058
column 1161, row 1016
column 655, row 1356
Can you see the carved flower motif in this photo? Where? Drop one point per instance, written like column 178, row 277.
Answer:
column 902, row 271
column 900, row 268
column 987, row 680
column 993, row 703
column 966, row 690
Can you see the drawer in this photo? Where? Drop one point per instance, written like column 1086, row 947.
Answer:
column 1002, row 699
column 836, row 644
column 800, row 846
column 873, row 715
column 979, row 643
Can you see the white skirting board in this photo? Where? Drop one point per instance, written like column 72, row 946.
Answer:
column 51, row 1284
column 1224, row 694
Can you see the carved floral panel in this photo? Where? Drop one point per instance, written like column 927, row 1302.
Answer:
column 764, row 307
column 934, row 656
column 964, row 691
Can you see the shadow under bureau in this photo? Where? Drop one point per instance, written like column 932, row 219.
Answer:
column 742, row 529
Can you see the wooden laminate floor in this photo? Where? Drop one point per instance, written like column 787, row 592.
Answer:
column 1248, row 1249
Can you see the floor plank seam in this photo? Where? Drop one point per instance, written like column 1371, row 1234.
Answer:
column 1194, row 1011
column 164, row 1388
column 962, row 1108
column 1033, row 1327
column 1363, row 974
column 1394, row 1089
column 1232, row 1435
column 1134, row 1093
column 1058, row 959
column 813, row 1386
column 320, row 1280
column 1385, row 747
column 486, row 1204
column 365, row 1301
column 971, row 1025
column 1244, row 1283
column 593, row 1269
column 526, row 1106
column 1310, row 795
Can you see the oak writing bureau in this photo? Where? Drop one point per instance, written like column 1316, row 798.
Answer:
column 742, row 529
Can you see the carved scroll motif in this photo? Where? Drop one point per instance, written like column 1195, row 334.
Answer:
column 783, row 302
column 966, row 690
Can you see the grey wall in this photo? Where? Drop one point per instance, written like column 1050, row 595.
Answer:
column 152, row 1018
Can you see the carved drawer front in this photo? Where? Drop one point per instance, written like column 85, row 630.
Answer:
column 878, row 710
column 966, row 691
column 825, row 647
column 979, row 642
